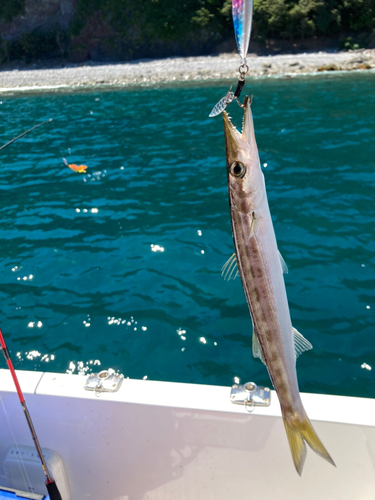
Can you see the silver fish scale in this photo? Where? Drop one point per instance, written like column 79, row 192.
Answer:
column 222, row 104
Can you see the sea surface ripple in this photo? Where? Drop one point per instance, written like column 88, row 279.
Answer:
column 120, row 267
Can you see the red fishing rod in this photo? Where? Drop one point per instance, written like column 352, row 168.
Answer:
column 52, row 489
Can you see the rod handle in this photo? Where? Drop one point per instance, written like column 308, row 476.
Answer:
column 53, row 491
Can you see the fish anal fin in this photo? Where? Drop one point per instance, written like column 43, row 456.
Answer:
column 257, row 350
column 300, row 343
column 230, row 269
column 284, row 267
column 298, row 430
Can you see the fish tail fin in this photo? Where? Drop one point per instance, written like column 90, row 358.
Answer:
column 298, row 431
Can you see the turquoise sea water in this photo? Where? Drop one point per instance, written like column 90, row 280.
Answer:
column 121, row 265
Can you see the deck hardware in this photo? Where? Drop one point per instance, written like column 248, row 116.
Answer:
column 104, row 381
column 250, row 395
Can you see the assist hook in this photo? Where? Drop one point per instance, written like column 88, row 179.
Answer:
column 231, row 96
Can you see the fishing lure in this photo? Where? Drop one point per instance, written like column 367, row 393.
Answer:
column 242, row 13
column 76, row 168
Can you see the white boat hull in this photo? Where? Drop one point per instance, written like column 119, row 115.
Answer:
column 160, row 440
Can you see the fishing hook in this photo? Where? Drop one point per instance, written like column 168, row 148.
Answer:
column 231, row 96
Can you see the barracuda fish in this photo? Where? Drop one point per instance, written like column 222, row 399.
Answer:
column 260, row 267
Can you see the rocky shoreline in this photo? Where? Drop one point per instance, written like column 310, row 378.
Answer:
column 178, row 69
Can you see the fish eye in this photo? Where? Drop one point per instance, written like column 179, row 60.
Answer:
column 237, row 169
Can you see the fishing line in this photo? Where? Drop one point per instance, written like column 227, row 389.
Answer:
column 242, row 13
column 59, row 147
column 24, row 133
column 72, row 166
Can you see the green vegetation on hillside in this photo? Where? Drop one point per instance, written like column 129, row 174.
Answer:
column 11, row 8
column 125, row 29
column 304, row 18
column 176, row 21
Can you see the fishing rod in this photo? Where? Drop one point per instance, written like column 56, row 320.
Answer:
column 51, row 486
column 242, row 13
column 24, row 133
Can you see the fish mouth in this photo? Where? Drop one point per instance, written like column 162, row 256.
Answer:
column 234, row 140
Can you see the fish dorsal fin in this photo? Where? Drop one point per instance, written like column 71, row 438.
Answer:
column 257, row 350
column 284, row 267
column 300, row 343
column 230, row 269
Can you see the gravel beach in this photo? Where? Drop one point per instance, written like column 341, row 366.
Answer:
column 39, row 77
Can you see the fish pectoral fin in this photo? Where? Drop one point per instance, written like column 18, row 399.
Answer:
column 300, row 343
column 252, row 225
column 257, row 350
column 230, row 269
column 284, row 267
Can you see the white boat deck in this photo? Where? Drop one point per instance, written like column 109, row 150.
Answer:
column 168, row 441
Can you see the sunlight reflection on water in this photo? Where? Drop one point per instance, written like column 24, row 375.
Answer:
column 103, row 268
